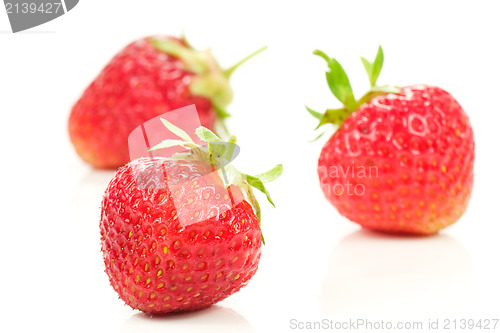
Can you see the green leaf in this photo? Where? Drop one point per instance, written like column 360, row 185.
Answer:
column 338, row 81
column 373, row 69
column 231, row 175
column 184, row 38
column 218, row 152
column 322, row 55
column 207, row 135
column 222, row 153
column 317, row 138
column 271, row 175
column 221, row 112
column 315, row 114
column 172, row 143
column 377, row 91
column 333, row 116
column 339, row 85
column 368, row 68
column 177, row 131
column 230, row 70
column 377, row 65
column 192, row 59
column 256, row 207
column 387, row 89
column 259, row 185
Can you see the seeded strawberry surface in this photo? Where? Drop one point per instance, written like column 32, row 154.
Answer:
column 401, row 162
column 174, row 238
column 140, row 83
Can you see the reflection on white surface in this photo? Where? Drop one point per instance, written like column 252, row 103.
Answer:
column 377, row 274
column 214, row 319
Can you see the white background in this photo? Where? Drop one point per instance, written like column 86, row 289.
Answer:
column 316, row 264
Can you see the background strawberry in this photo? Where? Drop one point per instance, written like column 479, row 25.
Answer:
column 401, row 159
column 147, row 78
column 175, row 236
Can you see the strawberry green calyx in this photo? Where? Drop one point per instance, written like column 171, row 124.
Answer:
column 218, row 154
column 210, row 80
column 225, row 153
column 373, row 69
column 339, row 84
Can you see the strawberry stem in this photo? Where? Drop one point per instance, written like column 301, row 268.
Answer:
column 341, row 88
column 194, row 61
column 227, row 72
column 209, row 80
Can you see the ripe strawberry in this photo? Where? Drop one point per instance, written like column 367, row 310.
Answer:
column 175, row 236
column 147, row 78
column 402, row 158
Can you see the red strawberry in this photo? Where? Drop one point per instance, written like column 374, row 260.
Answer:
column 147, row 78
column 175, row 236
column 402, row 158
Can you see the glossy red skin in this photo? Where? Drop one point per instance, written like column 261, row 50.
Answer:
column 138, row 84
column 412, row 155
column 203, row 263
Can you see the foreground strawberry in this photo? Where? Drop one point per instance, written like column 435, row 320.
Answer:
column 147, row 78
column 177, row 235
column 401, row 159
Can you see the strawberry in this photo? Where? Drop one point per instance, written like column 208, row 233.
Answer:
column 401, row 160
column 147, row 78
column 177, row 235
